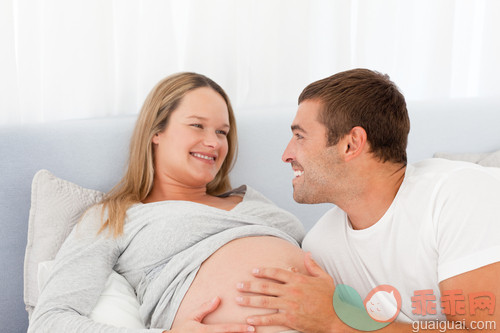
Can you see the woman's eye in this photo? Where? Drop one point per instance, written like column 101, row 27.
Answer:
column 221, row 132
column 197, row 125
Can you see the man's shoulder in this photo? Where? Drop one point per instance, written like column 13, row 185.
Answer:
column 433, row 182
column 438, row 166
column 445, row 166
column 438, row 170
column 325, row 232
column 333, row 219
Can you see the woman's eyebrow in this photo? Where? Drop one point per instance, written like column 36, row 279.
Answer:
column 205, row 119
column 197, row 117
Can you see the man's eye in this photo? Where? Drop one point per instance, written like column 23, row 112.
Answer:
column 298, row 136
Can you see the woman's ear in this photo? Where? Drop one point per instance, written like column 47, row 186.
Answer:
column 355, row 142
column 156, row 138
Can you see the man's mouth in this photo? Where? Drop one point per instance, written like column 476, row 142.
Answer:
column 206, row 157
column 298, row 173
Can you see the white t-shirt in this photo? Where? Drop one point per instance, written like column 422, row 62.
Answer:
column 444, row 221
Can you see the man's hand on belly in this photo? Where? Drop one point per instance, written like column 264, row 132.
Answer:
column 304, row 302
column 194, row 324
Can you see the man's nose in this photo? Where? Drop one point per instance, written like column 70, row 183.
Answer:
column 288, row 155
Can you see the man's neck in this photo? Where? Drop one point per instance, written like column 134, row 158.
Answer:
column 376, row 192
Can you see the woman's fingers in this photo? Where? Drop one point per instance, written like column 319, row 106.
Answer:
column 195, row 323
column 312, row 267
column 205, row 309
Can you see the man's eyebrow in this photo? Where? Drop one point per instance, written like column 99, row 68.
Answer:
column 298, row 128
column 205, row 119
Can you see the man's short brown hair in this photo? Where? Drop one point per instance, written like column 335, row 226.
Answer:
column 361, row 97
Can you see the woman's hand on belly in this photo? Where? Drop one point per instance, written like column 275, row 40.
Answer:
column 305, row 301
column 194, row 324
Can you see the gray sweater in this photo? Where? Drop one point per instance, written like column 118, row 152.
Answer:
column 162, row 247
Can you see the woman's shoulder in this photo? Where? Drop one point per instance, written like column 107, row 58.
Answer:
column 259, row 205
column 247, row 193
column 91, row 219
column 253, row 197
column 238, row 191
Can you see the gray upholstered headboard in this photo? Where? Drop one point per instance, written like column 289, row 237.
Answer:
column 73, row 150
column 92, row 154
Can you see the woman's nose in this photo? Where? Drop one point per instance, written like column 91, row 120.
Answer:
column 211, row 140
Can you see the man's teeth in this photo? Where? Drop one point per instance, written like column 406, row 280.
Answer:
column 203, row 156
column 298, row 173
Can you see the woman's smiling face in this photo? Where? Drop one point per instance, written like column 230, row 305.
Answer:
column 193, row 146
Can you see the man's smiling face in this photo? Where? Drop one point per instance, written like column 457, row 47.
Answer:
column 318, row 169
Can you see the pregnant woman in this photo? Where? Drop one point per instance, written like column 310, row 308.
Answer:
column 173, row 227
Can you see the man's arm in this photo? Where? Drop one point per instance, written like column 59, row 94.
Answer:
column 477, row 285
column 305, row 303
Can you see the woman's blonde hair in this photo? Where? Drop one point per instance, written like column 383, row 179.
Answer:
column 137, row 182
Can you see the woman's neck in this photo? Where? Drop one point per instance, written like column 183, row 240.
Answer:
column 169, row 191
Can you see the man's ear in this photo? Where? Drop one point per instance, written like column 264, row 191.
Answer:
column 355, row 142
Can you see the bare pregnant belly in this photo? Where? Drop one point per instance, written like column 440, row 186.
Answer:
column 231, row 264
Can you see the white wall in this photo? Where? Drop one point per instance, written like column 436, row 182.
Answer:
column 85, row 58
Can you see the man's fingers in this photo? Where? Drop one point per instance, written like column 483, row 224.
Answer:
column 233, row 328
column 265, row 302
column 277, row 274
column 206, row 308
column 262, row 287
column 275, row 319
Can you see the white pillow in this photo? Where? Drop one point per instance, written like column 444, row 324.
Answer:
column 467, row 157
column 56, row 206
column 491, row 160
column 117, row 305
column 484, row 159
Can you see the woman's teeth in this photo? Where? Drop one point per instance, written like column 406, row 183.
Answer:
column 203, row 156
column 298, row 173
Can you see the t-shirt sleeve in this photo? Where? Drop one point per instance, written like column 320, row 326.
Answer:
column 467, row 217
column 81, row 269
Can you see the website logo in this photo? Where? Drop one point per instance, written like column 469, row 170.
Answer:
column 380, row 307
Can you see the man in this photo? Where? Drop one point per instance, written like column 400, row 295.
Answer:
column 431, row 231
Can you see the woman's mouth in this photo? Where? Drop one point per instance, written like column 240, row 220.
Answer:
column 205, row 157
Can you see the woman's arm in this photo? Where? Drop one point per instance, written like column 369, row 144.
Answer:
column 81, row 269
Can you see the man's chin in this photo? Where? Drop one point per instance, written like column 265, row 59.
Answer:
column 304, row 197
column 300, row 197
